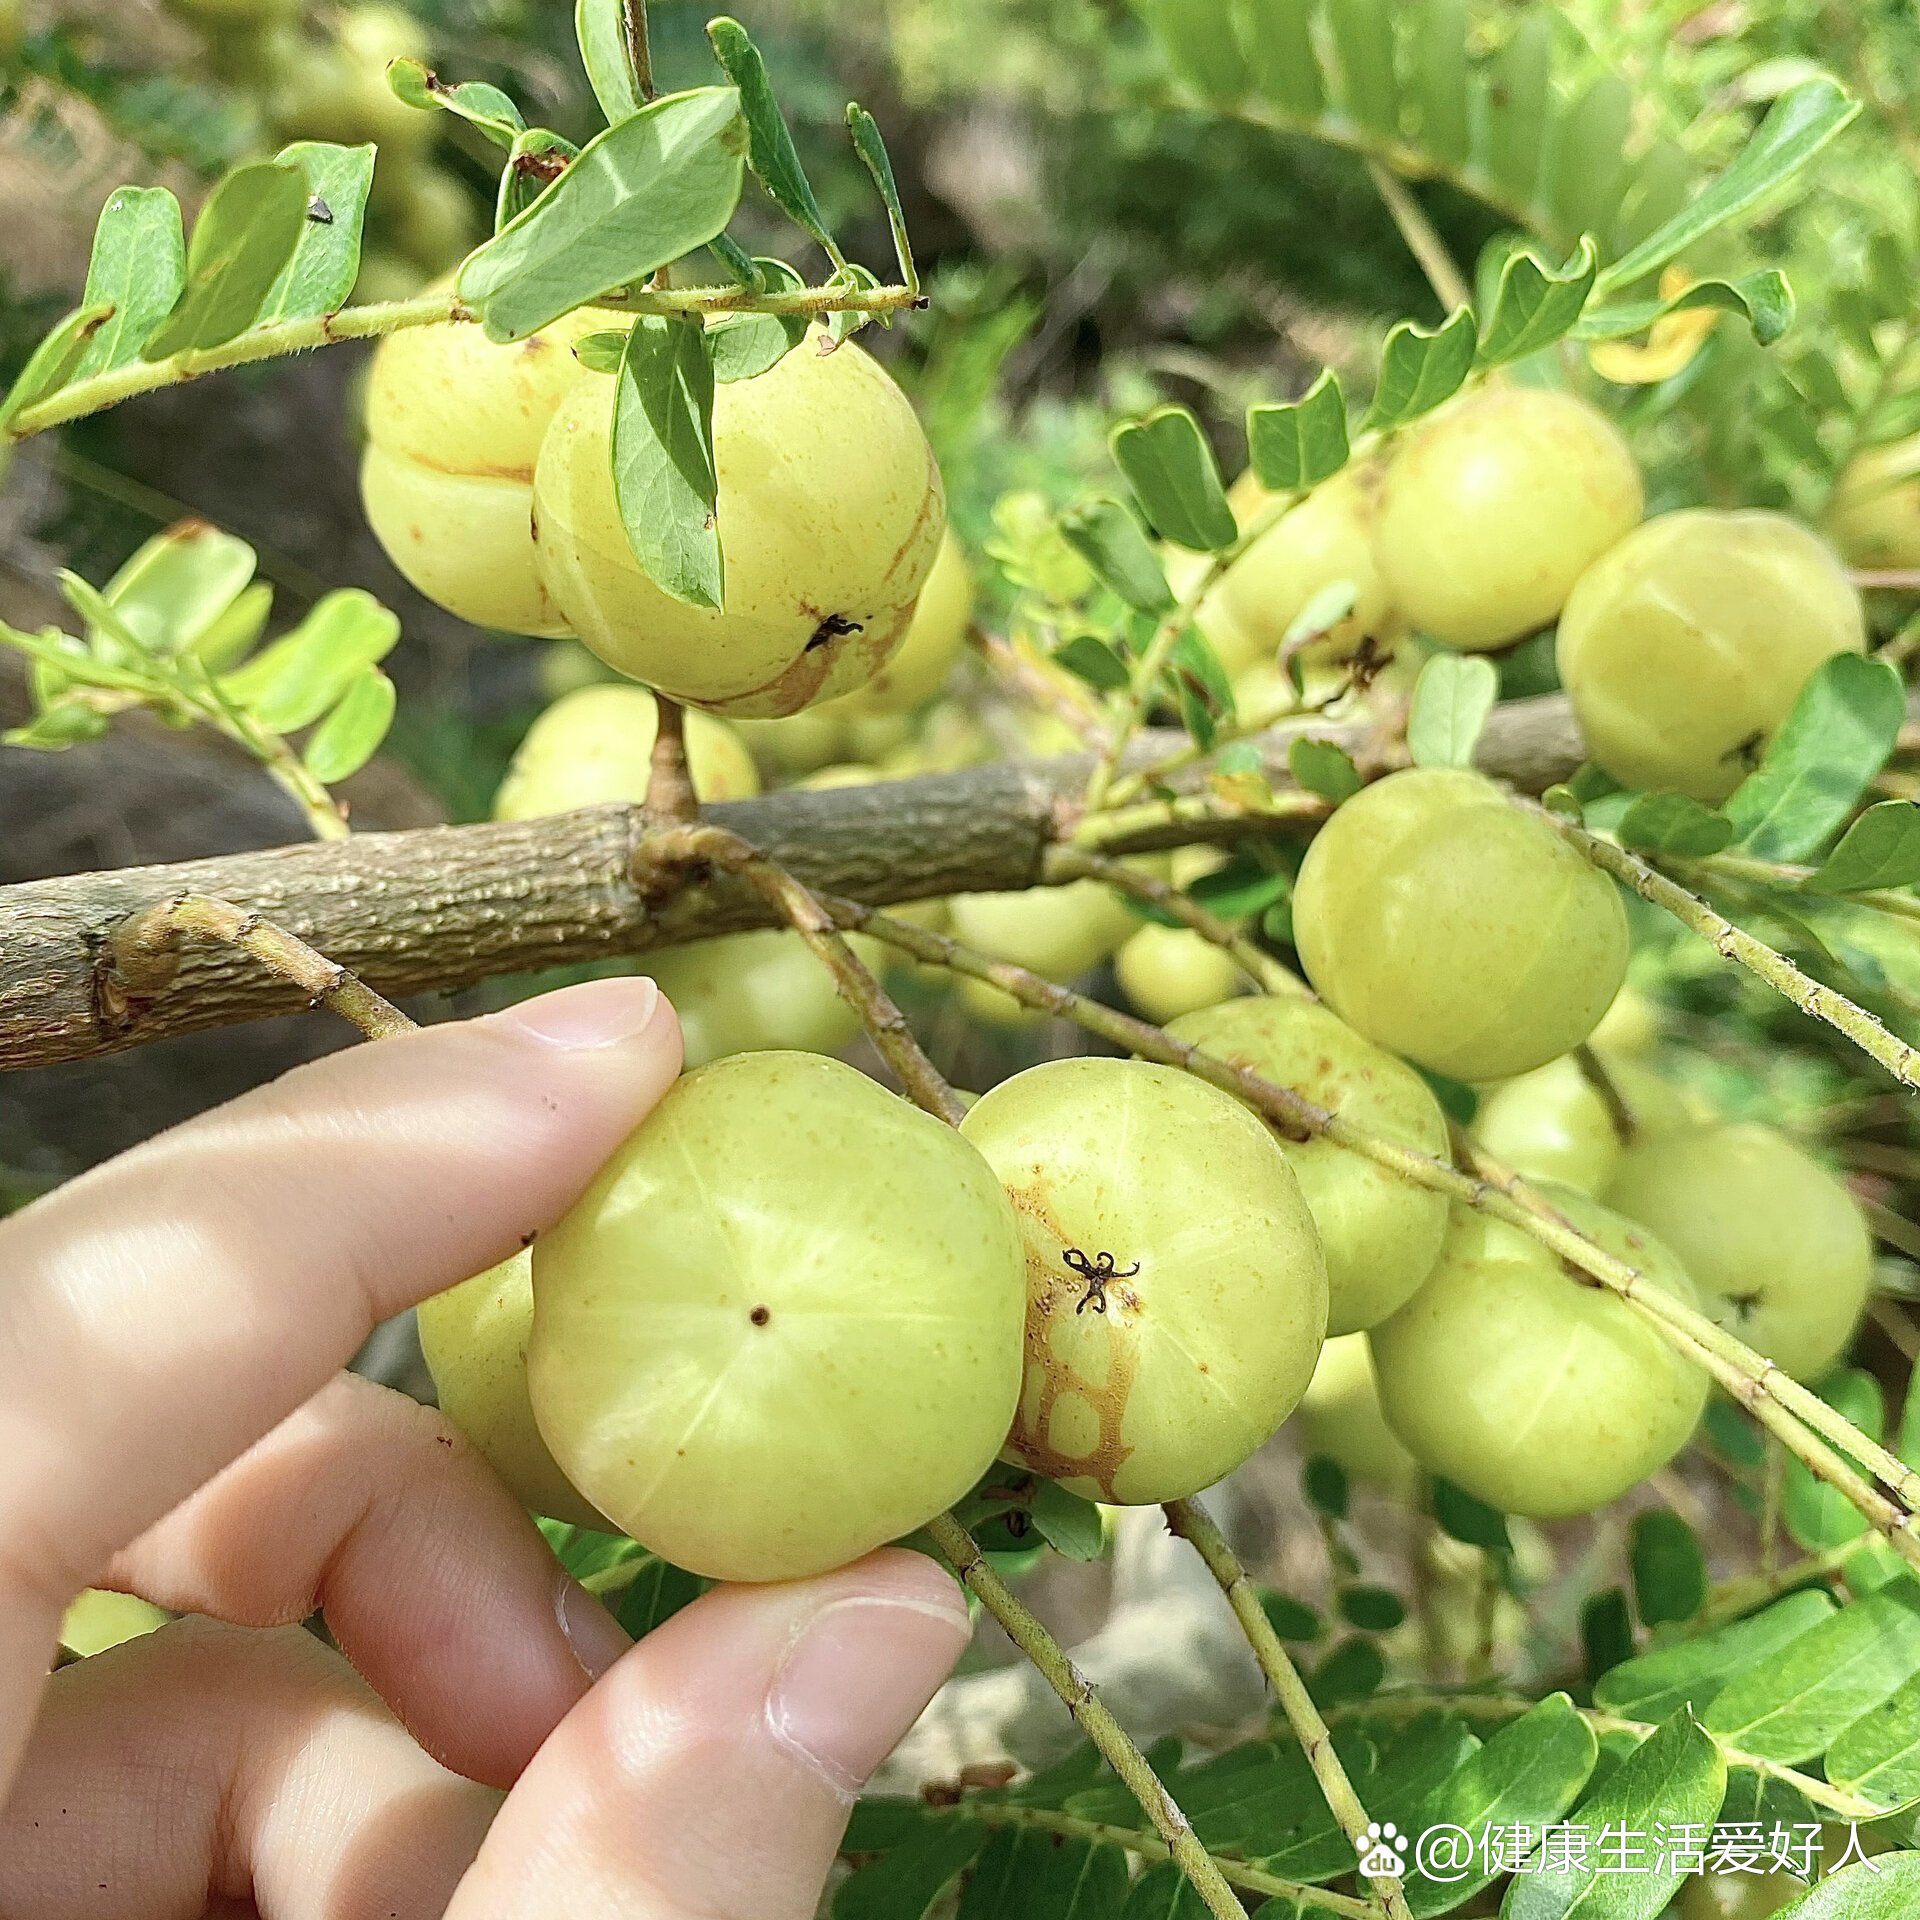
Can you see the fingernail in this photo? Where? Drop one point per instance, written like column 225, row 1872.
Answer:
column 857, row 1678
column 596, row 1637
column 597, row 1013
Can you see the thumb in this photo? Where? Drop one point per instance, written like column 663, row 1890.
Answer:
column 709, row 1775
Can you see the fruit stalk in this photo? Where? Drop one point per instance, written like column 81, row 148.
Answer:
column 671, row 801
column 1193, row 1524
column 1076, row 1692
column 1775, row 1398
column 885, row 1023
column 1075, row 863
column 142, row 954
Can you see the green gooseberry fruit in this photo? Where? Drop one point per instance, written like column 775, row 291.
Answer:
column 1494, row 508
column 474, row 1337
column 1340, row 1419
column 1381, row 1233
column 1777, row 1245
column 1739, row 1896
column 337, row 89
column 1060, row 932
column 1176, row 1291
column 1875, row 516
column 754, row 1356
column 594, row 747
column 1686, row 646
column 830, row 512
column 801, row 743
column 1537, row 1394
column 98, row 1619
column 1447, row 925
column 1554, row 1123
column 935, row 640
column 436, row 222
column 454, row 426
column 1168, row 971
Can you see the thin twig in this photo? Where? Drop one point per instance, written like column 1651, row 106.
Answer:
column 1422, row 238
column 639, row 48
column 1091, row 1713
column 1619, row 1112
column 1192, row 1523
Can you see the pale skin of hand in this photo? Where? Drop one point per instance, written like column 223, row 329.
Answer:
column 174, row 1421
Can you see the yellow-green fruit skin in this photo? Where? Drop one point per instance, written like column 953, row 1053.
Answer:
column 1538, row 1395
column 1168, row 971
column 474, row 1337
column 1554, row 1124
column 594, row 747
column 755, row 1356
column 454, row 426
column 337, row 90
column 1328, row 537
column 1381, row 1234
column 1448, row 926
column 1060, row 932
column 1495, row 507
column 830, row 514
column 99, row 1619
column 1687, row 645
column 934, row 641
column 1160, row 1380
column 1777, row 1245
column 1739, row 1896
column 1875, row 516
column 1340, row 1418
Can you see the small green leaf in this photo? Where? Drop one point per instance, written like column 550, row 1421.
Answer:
column 1276, row 37
column 1606, row 1632
column 1420, row 367
column 1880, row 849
column 1536, row 304
column 1451, row 701
column 180, row 584
column 1517, row 104
column 1674, row 824
column 657, row 1592
column 1302, row 444
column 1440, row 79
column 1089, row 658
column 600, row 26
column 746, row 345
column 1879, row 1755
column 1325, row 1482
column 1291, row 1619
column 872, row 149
column 237, row 631
column 1109, row 537
column 474, row 101
column 1693, row 1673
column 1371, row 1609
column 1323, row 768
column 1827, row 753
column 1069, row 1525
column 1172, row 471
column 1797, row 126
column 770, row 150
column 664, row 474
column 537, row 159
column 1466, row 1519
column 294, row 681
column 352, row 733
column 1197, row 38
column 1669, row 1570
column 908, row 1879
column 646, row 191
column 138, row 268
column 1200, row 686
column 1763, row 299
column 1884, row 1889
column 245, row 236
column 326, row 258
column 1164, row 1892
column 1820, row 1517
column 1354, row 1670
column 55, row 361
column 68, row 723
column 601, row 352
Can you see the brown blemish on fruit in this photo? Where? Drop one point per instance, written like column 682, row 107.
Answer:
column 760, row 1316
column 836, row 626
column 1055, row 1293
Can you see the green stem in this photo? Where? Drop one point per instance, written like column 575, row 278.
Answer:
column 1120, row 825
column 1784, row 874
column 1192, row 1523
column 370, row 323
column 1422, row 238
column 1095, row 1720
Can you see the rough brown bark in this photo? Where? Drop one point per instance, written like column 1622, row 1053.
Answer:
column 445, row 907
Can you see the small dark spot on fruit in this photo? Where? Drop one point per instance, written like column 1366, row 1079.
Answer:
column 836, row 626
column 760, row 1316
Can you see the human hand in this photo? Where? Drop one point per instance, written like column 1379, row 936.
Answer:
column 175, row 1423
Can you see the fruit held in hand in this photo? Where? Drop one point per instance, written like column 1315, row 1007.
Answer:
column 474, row 1337
column 1537, row 1394
column 1177, row 1296
column 1341, row 1421
column 1687, row 645
column 830, row 515
column 1495, row 507
column 761, row 992
column 1778, row 1246
column 595, row 746
column 755, row 1356
column 454, row 425
column 1875, row 516
column 1168, row 971
column 1327, row 538
column 1381, row 1233
column 1447, row 925
column 1554, row 1123
column 935, row 639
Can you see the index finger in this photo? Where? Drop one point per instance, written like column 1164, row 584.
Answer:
column 162, row 1313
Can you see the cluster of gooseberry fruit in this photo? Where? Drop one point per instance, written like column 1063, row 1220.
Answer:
column 332, row 85
column 761, row 1363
